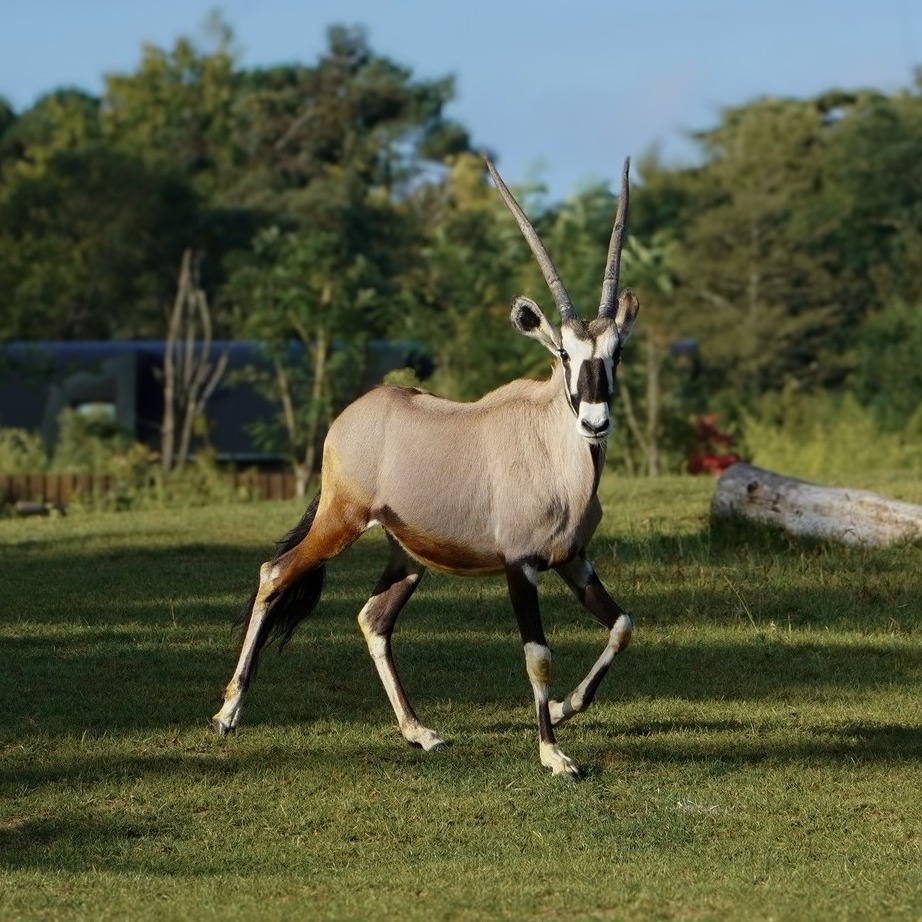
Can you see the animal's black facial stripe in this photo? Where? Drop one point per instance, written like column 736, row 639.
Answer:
column 592, row 384
column 574, row 398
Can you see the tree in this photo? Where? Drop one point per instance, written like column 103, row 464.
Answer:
column 59, row 122
column 332, row 149
column 7, row 119
column 176, row 111
column 765, row 302
column 887, row 378
column 648, row 268
column 873, row 168
column 354, row 110
column 83, row 246
column 314, row 288
column 455, row 292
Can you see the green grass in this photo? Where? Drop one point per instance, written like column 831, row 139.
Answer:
column 756, row 753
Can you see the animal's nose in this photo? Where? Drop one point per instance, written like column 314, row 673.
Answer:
column 595, row 428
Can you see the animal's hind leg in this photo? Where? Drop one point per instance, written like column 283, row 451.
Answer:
column 580, row 576
column 226, row 720
column 376, row 619
column 327, row 534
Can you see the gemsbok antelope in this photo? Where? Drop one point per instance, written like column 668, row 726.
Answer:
column 503, row 485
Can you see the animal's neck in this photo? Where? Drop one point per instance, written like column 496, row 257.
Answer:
column 543, row 409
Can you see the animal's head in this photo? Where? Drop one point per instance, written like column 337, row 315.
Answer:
column 588, row 352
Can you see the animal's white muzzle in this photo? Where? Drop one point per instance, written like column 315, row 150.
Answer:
column 595, row 422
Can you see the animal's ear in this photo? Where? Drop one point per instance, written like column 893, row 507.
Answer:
column 528, row 320
column 626, row 314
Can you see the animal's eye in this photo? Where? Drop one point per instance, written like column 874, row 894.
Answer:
column 564, row 355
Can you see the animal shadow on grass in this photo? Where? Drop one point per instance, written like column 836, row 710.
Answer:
column 151, row 652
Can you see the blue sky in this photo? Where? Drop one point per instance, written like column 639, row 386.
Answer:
column 561, row 90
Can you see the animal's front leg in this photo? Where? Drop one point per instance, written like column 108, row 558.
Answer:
column 523, row 590
column 580, row 576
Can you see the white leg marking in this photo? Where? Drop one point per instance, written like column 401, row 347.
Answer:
column 619, row 637
column 413, row 731
column 423, row 737
column 538, row 667
column 562, row 710
column 226, row 720
column 556, row 761
column 538, row 664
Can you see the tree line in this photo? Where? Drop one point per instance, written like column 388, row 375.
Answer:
column 335, row 202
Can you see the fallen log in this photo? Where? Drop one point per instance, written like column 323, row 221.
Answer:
column 809, row 509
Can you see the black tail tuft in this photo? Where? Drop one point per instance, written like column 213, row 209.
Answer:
column 299, row 532
column 294, row 603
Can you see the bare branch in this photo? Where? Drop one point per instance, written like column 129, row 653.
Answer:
column 718, row 300
column 168, row 429
column 189, row 377
column 293, row 128
column 631, row 416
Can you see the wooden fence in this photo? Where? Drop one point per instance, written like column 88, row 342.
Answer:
column 60, row 489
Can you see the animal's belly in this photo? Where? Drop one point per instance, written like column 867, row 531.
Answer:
column 431, row 546
column 466, row 558
column 442, row 555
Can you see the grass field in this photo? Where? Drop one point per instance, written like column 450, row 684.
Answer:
column 755, row 754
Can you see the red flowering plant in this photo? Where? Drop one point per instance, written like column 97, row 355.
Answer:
column 712, row 448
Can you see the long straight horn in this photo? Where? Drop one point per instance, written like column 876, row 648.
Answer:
column 559, row 293
column 609, row 303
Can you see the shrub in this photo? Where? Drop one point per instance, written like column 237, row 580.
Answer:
column 887, row 378
column 90, row 443
column 822, row 435
column 21, row 452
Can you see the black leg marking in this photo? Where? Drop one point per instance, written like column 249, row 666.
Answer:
column 392, row 591
column 580, row 576
column 522, row 580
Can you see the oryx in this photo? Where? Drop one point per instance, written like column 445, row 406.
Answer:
column 503, row 485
